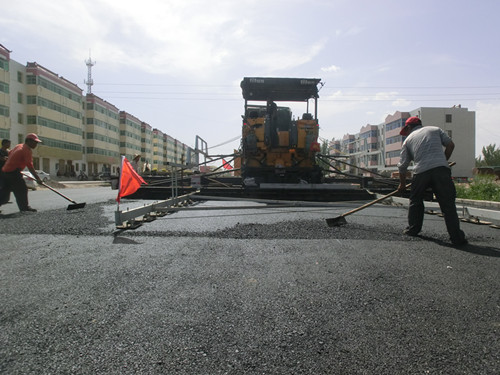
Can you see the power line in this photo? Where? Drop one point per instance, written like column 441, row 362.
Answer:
column 163, row 84
column 411, row 87
column 324, row 88
column 232, row 94
column 322, row 100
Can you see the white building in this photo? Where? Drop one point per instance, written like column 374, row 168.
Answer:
column 460, row 124
column 377, row 147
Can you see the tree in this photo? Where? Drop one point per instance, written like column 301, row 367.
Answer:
column 491, row 157
column 324, row 151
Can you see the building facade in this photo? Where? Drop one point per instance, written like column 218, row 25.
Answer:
column 377, row 148
column 460, row 124
column 52, row 109
column 5, row 89
column 147, row 146
column 78, row 132
column 102, row 136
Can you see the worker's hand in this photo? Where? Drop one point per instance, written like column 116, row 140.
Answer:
column 401, row 188
column 39, row 181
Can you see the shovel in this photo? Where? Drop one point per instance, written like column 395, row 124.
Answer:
column 73, row 206
column 340, row 220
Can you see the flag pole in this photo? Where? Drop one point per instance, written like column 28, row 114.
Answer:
column 120, row 183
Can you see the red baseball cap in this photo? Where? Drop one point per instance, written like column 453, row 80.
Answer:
column 410, row 123
column 33, row 137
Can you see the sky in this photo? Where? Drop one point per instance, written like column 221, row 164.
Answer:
column 177, row 64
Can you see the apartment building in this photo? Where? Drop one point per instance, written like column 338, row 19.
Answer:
column 171, row 149
column 377, row 147
column 102, row 136
column 5, row 96
column 393, row 140
column 53, row 110
column 147, row 145
column 130, row 135
column 460, row 124
column 78, row 132
column 158, row 150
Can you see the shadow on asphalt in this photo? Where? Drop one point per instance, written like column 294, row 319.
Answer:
column 469, row 248
column 124, row 241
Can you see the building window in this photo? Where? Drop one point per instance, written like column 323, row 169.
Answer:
column 449, row 133
column 392, row 154
column 4, row 87
column 20, row 98
column 19, row 77
column 4, row 111
column 4, row 65
column 448, row 118
column 20, row 118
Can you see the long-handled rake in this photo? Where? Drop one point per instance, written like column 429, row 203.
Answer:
column 73, row 206
column 340, row 220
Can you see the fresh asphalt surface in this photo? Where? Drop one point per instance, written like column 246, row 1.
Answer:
column 257, row 291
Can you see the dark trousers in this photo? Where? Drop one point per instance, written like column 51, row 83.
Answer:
column 439, row 179
column 14, row 182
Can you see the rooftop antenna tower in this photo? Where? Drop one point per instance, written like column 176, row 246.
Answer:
column 89, row 82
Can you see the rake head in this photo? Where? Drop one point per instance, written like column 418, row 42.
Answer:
column 336, row 221
column 75, row 206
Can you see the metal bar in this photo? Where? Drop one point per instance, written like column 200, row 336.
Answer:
column 218, row 182
column 277, row 203
column 125, row 216
column 218, row 208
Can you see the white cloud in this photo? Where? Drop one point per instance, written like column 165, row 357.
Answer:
column 385, row 95
column 174, row 37
column 331, row 68
column 272, row 56
column 400, row 103
column 196, row 36
column 354, row 30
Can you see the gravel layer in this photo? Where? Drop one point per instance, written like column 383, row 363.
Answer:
column 92, row 220
column 286, row 297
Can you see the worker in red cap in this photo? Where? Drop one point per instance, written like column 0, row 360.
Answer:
column 19, row 158
column 429, row 148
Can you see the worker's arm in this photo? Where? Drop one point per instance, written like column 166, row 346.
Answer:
column 402, row 182
column 449, row 149
column 404, row 161
column 33, row 172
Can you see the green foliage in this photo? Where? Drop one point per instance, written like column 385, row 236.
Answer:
column 324, row 151
column 483, row 188
column 491, row 157
column 480, row 162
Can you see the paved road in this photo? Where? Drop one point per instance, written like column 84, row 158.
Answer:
column 269, row 291
column 43, row 199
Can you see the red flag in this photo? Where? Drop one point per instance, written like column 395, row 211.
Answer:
column 130, row 180
column 226, row 165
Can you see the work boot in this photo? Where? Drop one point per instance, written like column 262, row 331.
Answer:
column 409, row 232
column 28, row 209
column 460, row 242
column 458, row 239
